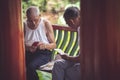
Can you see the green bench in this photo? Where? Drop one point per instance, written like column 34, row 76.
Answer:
column 66, row 39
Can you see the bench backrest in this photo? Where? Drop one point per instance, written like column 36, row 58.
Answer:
column 66, row 39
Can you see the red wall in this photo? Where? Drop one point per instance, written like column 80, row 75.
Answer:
column 12, row 64
column 100, row 39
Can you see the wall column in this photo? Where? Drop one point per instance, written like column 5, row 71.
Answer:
column 12, row 58
column 100, row 39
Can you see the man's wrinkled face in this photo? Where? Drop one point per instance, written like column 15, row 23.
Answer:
column 33, row 19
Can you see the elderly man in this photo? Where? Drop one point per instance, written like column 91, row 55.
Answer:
column 39, row 40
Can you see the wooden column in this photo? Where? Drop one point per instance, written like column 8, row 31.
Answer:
column 100, row 39
column 12, row 58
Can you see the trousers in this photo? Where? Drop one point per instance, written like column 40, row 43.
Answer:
column 34, row 61
column 66, row 70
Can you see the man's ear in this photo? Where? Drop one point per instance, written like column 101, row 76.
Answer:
column 71, row 20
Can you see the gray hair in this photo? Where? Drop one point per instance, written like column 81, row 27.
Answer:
column 33, row 11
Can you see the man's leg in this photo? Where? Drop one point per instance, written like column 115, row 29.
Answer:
column 59, row 68
column 73, row 73
column 38, row 59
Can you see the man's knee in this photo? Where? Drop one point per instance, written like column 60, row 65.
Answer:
column 73, row 73
column 58, row 63
column 61, row 63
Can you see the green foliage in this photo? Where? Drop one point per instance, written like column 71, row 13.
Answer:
column 40, row 3
column 56, row 7
column 44, row 75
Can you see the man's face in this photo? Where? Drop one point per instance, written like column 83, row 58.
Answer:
column 73, row 22
column 33, row 19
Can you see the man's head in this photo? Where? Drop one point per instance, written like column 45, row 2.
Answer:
column 72, row 17
column 33, row 14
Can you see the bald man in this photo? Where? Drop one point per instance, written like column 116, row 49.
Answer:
column 39, row 40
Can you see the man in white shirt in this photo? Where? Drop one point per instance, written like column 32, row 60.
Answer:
column 39, row 40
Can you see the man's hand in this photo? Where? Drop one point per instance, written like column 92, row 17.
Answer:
column 32, row 49
column 42, row 46
column 62, row 53
column 65, row 56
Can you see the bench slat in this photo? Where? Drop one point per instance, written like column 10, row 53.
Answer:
column 66, row 39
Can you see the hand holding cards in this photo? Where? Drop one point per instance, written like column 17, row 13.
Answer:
column 35, row 44
column 59, row 51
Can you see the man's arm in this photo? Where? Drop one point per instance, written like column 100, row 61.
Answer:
column 50, row 36
column 71, row 58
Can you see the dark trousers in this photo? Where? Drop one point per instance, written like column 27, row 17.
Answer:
column 35, row 60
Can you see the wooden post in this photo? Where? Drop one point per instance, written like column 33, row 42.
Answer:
column 100, row 40
column 12, row 57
